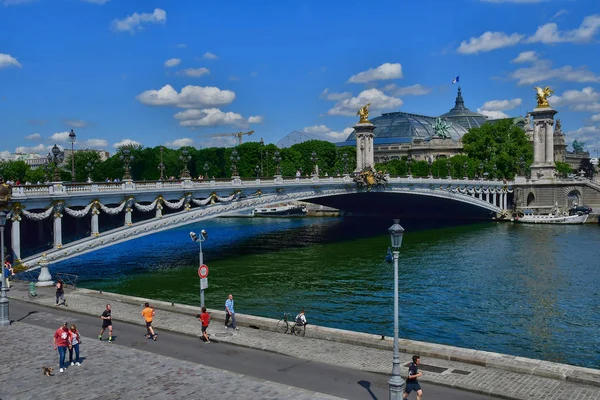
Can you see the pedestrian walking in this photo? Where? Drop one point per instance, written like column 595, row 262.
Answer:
column 205, row 319
column 106, row 323
column 75, row 342
column 230, row 313
column 411, row 380
column 8, row 271
column 148, row 313
column 60, row 292
column 62, row 341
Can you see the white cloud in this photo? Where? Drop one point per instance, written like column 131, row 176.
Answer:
column 137, row 21
column 183, row 142
column 488, row 41
column 378, row 100
column 559, row 13
column 126, row 142
column 549, row 33
column 181, row 45
column 172, row 62
column 595, row 118
column 526, row 56
column 209, row 117
column 76, row 123
column 34, row 136
column 190, row 97
column 195, row 72
column 584, row 96
column 99, row 2
column 210, row 56
column 16, row 2
column 6, row 60
column 514, row 1
column 99, row 144
column 541, row 70
column 383, row 72
column 335, row 96
column 326, row 133
column 59, row 137
column 493, row 109
column 492, row 114
column 258, row 119
column 413, row 90
column 5, row 155
column 39, row 148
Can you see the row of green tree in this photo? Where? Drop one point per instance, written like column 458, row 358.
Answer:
column 499, row 150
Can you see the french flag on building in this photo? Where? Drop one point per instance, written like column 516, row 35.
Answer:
column 455, row 80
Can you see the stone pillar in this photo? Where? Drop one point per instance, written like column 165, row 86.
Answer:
column 16, row 233
column 58, row 208
column 364, row 146
column 543, row 166
column 128, row 216
column 496, row 203
column 486, row 194
column 159, row 208
column 95, row 231
column 504, row 200
column 44, row 279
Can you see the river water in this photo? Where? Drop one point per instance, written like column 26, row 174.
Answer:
column 526, row 290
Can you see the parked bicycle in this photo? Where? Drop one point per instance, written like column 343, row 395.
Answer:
column 289, row 324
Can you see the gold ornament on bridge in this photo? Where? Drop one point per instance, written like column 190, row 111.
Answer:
column 542, row 96
column 363, row 112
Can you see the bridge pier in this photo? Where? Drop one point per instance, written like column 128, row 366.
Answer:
column 57, row 226
column 95, row 231
column 16, row 233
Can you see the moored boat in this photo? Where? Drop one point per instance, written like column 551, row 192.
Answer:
column 553, row 219
column 289, row 210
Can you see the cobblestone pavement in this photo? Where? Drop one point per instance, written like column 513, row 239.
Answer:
column 497, row 382
column 108, row 375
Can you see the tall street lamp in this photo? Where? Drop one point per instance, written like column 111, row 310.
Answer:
column 314, row 159
column 345, row 161
column 89, row 168
column 277, row 159
column 262, row 144
column 4, row 199
column 199, row 239
column 257, row 170
column 161, row 165
column 72, row 138
column 449, row 165
column 396, row 383
column 234, row 160
column 185, row 158
column 206, row 168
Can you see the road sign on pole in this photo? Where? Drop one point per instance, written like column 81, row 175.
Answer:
column 203, row 271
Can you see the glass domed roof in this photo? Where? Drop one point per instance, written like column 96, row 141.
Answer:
column 461, row 115
column 398, row 127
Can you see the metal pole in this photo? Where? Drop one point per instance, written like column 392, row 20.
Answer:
column 396, row 383
column 73, row 161
column 201, row 262
column 4, row 318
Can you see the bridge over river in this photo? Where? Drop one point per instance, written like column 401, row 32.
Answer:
column 169, row 204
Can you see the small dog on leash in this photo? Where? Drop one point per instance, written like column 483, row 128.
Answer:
column 48, row 371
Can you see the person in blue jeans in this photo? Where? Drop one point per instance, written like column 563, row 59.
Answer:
column 230, row 313
column 62, row 341
column 75, row 342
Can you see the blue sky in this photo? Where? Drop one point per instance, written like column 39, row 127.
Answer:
column 168, row 72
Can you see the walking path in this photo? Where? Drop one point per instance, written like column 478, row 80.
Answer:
column 515, row 377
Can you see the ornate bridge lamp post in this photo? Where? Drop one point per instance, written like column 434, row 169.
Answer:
column 345, row 161
column 262, row 145
column 72, row 138
column 449, row 165
column 430, row 162
column 480, row 170
column 185, row 158
column 257, row 171
column 161, row 165
column 4, row 199
column 206, row 168
column 494, row 169
column 127, row 158
column 89, row 168
column 277, row 159
column 409, row 161
column 466, row 168
column 47, row 171
column 234, row 160
column 56, row 156
column 314, row 159
column 396, row 383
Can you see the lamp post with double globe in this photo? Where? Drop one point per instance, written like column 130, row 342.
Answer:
column 396, row 383
column 56, row 156
column 127, row 158
column 72, row 138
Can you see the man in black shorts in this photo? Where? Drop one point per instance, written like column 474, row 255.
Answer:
column 106, row 323
column 411, row 380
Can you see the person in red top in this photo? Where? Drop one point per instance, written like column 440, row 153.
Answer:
column 205, row 318
column 62, row 341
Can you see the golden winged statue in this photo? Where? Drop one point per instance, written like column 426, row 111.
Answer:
column 542, row 96
column 363, row 112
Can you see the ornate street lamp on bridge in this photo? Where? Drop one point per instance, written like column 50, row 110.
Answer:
column 235, row 158
column 314, row 159
column 126, row 157
column 262, row 144
column 206, row 168
column 257, row 170
column 185, row 158
column 56, row 156
column 396, row 383
column 345, row 161
column 89, row 168
column 72, row 138
column 161, row 165
column 449, row 165
column 277, row 159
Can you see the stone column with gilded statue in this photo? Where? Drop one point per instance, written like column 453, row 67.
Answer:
column 543, row 166
column 58, row 209
column 364, row 140
column 15, row 232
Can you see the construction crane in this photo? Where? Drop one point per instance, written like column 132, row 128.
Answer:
column 236, row 134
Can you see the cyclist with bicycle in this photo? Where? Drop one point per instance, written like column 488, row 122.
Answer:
column 301, row 319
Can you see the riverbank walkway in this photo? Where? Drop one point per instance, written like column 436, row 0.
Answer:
column 493, row 374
